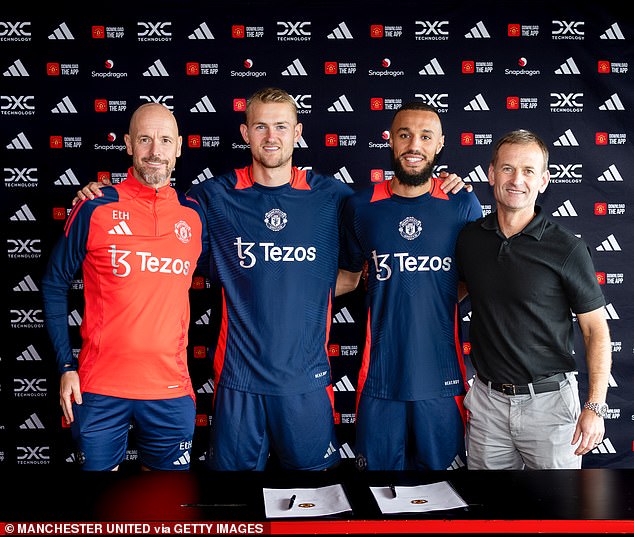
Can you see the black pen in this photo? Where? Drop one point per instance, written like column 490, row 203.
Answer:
column 393, row 489
column 291, row 501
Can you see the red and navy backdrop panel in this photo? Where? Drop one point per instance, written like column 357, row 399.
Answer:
column 69, row 82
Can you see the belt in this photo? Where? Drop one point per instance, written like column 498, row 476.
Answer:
column 549, row 384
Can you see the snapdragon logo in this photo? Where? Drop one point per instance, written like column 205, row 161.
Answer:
column 249, row 252
column 121, row 263
column 404, row 262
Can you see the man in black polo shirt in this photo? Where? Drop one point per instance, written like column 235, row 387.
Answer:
column 525, row 275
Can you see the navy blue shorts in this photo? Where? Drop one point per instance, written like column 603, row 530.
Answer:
column 406, row 435
column 163, row 430
column 299, row 429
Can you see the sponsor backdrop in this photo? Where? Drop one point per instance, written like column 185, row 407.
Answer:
column 69, row 83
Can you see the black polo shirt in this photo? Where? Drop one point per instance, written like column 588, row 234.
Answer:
column 522, row 292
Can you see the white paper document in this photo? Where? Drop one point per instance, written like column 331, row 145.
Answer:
column 320, row 501
column 417, row 499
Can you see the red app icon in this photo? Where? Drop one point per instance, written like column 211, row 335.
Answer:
column 601, row 138
column 98, row 32
column 376, row 103
column 600, row 208
column 332, row 140
column 376, row 31
column 52, row 69
column 192, row 68
column 331, row 68
column 514, row 30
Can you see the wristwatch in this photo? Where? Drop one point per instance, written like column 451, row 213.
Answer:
column 601, row 409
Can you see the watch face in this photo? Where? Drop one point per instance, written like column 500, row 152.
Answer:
column 603, row 410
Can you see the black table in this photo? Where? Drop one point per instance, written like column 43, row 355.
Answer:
column 196, row 502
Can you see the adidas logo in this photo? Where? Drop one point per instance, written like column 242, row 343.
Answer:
column 566, row 209
column 341, row 105
column 68, row 178
column 23, row 214
column 72, row 458
column 467, row 317
column 476, row 176
column 204, row 105
column 340, row 32
column 207, row 387
column 32, row 422
column 202, row 32
column 345, row 451
column 301, row 143
column 611, row 174
column 613, row 103
column 343, row 317
column 610, row 313
column 344, row 176
column 16, row 69
column 331, row 449
column 74, row 318
column 432, row 68
column 62, row 32
column 295, row 69
column 604, row 447
column 567, row 139
column 609, row 245
column 19, row 142
column 183, row 460
column 29, row 355
column 569, row 67
column 613, row 32
column 344, row 385
column 26, row 284
column 203, row 176
column 456, row 463
column 65, row 106
column 156, row 69
column 479, row 31
column 205, row 317
column 477, row 104
column 121, row 228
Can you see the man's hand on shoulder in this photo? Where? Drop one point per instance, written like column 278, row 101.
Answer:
column 452, row 183
column 91, row 191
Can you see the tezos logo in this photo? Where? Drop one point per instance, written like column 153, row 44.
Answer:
column 275, row 219
column 410, row 228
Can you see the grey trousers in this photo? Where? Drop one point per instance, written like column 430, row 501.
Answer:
column 531, row 431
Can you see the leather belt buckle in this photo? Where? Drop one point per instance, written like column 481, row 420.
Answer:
column 508, row 389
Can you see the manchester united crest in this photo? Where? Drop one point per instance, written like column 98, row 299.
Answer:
column 410, row 228
column 183, row 231
column 275, row 219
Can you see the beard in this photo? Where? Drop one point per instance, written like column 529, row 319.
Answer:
column 153, row 176
column 412, row 179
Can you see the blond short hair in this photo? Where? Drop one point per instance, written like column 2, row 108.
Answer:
column 271, row 95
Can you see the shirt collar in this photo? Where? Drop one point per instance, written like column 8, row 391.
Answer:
column 535, row 227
